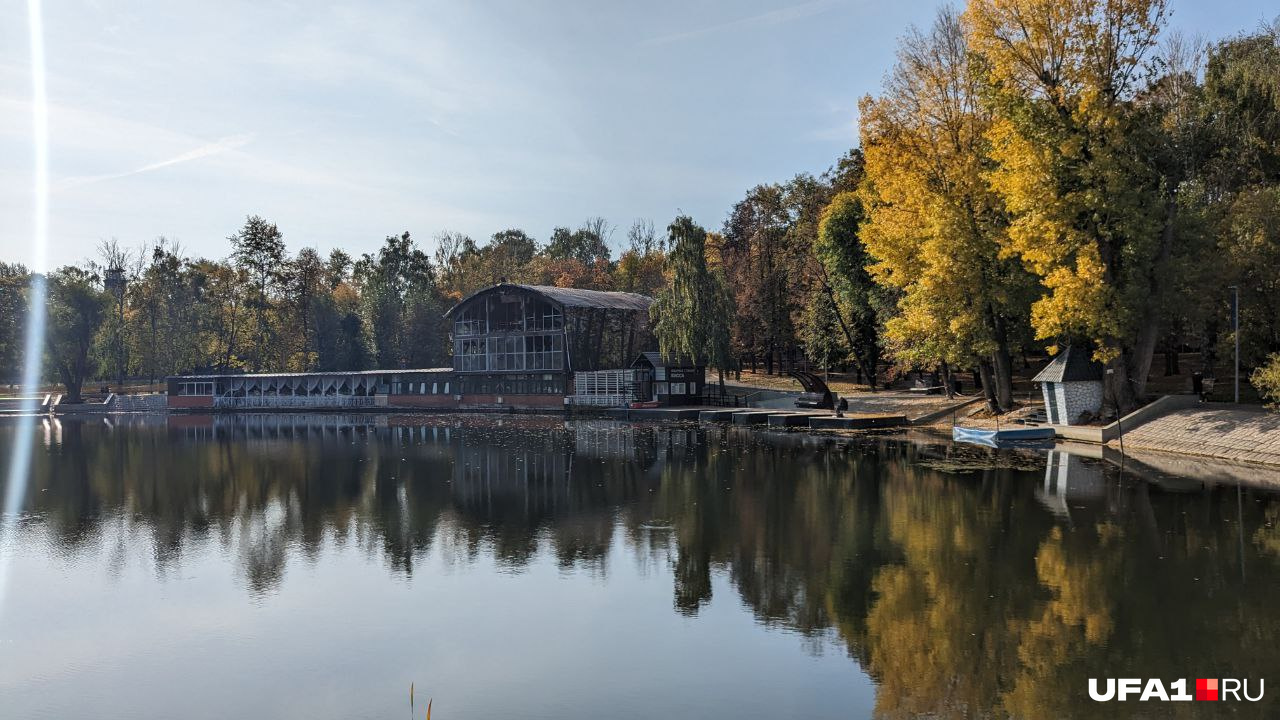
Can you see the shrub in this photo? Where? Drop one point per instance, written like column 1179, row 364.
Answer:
column 1266, row 379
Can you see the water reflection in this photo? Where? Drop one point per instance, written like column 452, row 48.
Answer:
column 965, row 583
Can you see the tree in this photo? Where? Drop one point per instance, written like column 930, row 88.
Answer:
column 1239, row 191
column 845, row 281
column 118, row 270
column 1091, row 216
column 14, row 281
column 337, row 268
column 223, row 292
column 258, row 249
column 169, row 313
column 824, row 341
column 757, row 268
column 402, row 305
column 640, row 267
column 588, row 244
column 76, row 307
column 934, row 225
column 693, row 316
column 304, row 279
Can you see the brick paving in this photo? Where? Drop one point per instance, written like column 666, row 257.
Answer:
column 1216, row 431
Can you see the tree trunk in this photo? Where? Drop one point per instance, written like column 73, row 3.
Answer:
column 1144, row 346
column 1209, row 349
column 1120, row 393
column 948, row 386
column 1001, row 362
column 988, row 385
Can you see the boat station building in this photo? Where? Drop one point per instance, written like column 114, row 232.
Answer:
column 517, row 347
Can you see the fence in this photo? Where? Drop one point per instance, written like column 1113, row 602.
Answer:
column 295, row 401
column 713, row 396
column 604, row 388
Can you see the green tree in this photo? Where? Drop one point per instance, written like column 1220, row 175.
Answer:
column 845, row 280
column 757, row 268
column 258, row 249
column 14, row 283
column 588, row 244
column 693, row 316
column 402, row 304
column 824, row 341
column 304, row 279
column 76, row 307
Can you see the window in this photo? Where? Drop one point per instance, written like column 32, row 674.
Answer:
column 542, row 315
column 471, row 320
column 677, row 388
column 195, row 388
column 470, row 354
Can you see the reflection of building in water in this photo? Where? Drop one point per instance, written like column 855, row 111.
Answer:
column 1070, row 478
column 282, row 426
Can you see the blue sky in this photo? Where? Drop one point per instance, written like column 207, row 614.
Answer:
column 348, row 122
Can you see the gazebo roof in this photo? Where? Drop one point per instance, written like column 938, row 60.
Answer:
column 1073, row 364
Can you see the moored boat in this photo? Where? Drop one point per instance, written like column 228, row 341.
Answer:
column 1000, row 436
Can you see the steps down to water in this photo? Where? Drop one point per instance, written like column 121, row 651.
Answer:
column 139, row 403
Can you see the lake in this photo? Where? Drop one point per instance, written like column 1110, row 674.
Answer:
column 526, row 566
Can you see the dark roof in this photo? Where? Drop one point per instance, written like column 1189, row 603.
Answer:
column 570, row 297
column 1073, row 364
column 658, row 360
column 325, row 373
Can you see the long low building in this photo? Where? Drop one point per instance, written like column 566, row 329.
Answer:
column 521, row 347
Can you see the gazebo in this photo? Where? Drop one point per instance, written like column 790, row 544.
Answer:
column 1072, row 386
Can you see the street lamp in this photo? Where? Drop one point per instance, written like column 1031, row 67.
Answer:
column 1235, row 330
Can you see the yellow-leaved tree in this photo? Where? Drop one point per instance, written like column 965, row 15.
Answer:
column 1092, row 215
column 934, row 226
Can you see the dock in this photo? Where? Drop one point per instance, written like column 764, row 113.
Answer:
column 818, row 420
column 864, row 422
column 670, row 414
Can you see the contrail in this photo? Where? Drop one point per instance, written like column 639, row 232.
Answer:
column 20, row 460
column 221, row 145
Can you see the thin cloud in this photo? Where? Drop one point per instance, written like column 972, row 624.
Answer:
column 217, row 147
column 765, row 19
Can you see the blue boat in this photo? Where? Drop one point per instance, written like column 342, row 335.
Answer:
column 1003, row 437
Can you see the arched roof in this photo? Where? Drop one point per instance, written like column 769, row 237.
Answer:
column 567, row 297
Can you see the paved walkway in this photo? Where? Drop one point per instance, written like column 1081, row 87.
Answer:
column 1218, row 431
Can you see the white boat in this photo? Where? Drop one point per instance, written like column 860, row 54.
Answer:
column 999, row 437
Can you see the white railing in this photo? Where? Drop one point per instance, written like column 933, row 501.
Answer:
column 604, row 388
column 295, row 401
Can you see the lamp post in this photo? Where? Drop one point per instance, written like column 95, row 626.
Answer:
column 1235, row 330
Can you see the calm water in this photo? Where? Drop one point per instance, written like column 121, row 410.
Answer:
column 532, row 567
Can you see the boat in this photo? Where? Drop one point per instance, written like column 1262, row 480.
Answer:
column 1000, row 437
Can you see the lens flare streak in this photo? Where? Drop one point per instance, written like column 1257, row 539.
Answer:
column 20, row 461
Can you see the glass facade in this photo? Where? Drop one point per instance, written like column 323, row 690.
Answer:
column 509, row 332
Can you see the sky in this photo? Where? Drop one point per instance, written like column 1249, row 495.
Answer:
column 347, row 122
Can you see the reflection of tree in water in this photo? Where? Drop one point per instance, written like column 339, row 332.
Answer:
column 984, row 593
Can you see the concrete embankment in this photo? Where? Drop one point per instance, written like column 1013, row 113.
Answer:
column 1211, row 430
